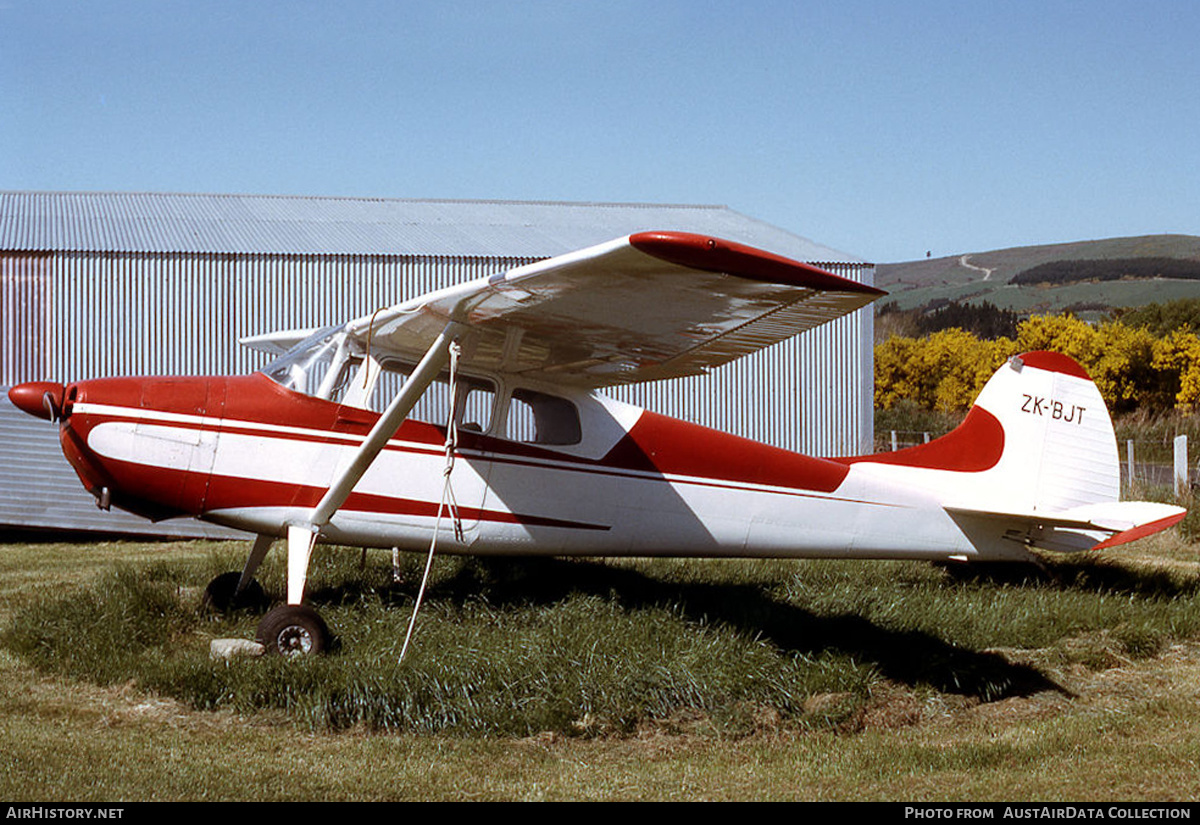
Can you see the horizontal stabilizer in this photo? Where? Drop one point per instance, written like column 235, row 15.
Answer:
column 1122, row 521
column 276, row 343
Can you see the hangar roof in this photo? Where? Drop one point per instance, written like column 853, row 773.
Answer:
column 282, row 224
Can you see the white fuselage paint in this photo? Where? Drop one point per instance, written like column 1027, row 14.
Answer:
column 520, row 505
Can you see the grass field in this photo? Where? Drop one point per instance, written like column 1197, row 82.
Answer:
column 672, row 680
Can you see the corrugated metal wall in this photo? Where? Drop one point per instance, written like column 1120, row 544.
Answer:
column 26, row 309
column 180, row 313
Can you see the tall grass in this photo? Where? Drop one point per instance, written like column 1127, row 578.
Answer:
column 495, row 653
column 582, row 648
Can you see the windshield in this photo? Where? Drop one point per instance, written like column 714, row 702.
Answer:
column 320, row 365
column 325, row 365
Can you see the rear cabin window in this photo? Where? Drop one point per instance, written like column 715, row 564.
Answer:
column 537, row 418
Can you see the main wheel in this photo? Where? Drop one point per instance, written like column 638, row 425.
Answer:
column 222, row 596
column 293, row 630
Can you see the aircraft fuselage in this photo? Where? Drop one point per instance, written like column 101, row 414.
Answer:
column 248, row 453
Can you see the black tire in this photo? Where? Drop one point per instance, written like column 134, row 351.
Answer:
column 293, row 630
column 221, row 594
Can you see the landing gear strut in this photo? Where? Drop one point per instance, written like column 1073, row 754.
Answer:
column 295, row 629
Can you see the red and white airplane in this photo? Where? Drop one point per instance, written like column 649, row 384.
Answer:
column 488, row 390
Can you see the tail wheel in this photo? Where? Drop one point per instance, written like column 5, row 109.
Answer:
column 293, row 630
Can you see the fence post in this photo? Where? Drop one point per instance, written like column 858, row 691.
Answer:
column 894, row 441
column 1129, row 459
column 1181, row 464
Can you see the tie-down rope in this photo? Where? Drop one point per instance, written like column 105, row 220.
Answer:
column 448, row 501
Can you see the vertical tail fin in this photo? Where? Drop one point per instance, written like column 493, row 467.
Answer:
column 1038, row 453
column 1060, row 450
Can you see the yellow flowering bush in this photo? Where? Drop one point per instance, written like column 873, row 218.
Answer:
column 1132, row 368
column 1179, row 354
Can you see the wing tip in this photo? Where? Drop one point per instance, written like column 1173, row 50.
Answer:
column 710, row 254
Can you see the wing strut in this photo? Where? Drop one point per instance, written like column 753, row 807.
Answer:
column 301, row 537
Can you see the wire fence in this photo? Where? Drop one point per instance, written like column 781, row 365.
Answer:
column 1143, row 463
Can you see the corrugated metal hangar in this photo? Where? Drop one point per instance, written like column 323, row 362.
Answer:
column 103, row 284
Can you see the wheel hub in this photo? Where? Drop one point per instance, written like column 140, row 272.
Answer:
column 294, row 639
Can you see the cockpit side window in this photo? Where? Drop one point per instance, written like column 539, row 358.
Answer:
column 538, row 418
column 475, row 405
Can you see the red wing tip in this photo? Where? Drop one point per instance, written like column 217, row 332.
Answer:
column 1141, row 531
column 710, row 254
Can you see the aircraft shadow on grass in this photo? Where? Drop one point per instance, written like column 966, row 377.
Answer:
column 1085, row 574
column 908, row 657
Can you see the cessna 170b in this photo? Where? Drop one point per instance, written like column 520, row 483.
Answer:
column 488, row 390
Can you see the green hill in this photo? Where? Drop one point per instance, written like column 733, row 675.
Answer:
column 987, row 276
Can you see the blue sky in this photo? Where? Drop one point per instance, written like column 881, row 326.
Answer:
column 881, row 129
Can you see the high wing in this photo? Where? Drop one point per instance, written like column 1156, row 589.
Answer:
column 644, row 307
column 648, row 306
